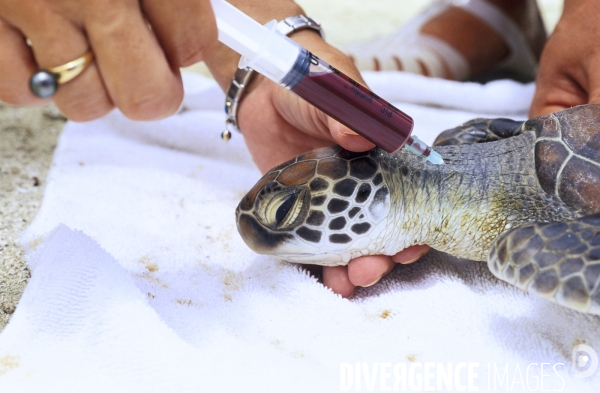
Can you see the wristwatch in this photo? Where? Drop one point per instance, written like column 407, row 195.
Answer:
column 298, row 23
column 243, row 76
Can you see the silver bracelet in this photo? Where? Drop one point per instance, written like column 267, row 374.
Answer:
column 243, row 76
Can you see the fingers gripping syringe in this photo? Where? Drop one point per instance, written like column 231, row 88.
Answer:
column 282, row 60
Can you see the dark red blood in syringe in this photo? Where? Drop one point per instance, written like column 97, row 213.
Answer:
column 357, row 108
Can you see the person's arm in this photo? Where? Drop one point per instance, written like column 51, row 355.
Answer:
column 569, row 72
column 277, row 125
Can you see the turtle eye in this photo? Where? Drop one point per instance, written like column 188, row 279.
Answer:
column 283, row 210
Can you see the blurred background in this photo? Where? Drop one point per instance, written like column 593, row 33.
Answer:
column 349, row 21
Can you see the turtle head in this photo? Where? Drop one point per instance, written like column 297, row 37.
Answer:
column 323, row 207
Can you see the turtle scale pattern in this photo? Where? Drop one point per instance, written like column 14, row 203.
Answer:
column 555, row 260
column 528, row 203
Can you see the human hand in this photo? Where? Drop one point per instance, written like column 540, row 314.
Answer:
column 277, row 126
column 569, row 72
column 138, row 49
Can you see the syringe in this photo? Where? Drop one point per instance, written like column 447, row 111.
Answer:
column 285, row 62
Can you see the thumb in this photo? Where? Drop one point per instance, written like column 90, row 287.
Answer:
column 553, row 95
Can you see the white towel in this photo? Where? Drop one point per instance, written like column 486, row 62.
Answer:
column 140, row 282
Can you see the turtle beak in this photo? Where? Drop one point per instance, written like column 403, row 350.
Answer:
column 260, row 239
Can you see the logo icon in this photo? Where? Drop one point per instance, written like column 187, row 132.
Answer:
column 584, row 361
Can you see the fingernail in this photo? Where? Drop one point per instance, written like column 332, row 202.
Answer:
column 373, row 283
column 410, row 261
column 347, row 131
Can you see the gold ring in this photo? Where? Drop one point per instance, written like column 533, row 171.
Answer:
column 44, row 83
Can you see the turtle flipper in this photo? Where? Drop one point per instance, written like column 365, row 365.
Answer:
column 559, row 261
column 479, row 131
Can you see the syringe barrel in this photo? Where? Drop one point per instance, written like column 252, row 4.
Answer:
column 348, row 102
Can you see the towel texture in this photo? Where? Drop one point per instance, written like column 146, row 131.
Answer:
column 140, row 282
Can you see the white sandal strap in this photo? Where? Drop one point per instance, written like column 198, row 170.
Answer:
column 410, row 46
column 417, row 57
column 456, row 62
column 521, row 59
column 412, row 59
column 363, row 62
column 410, row 63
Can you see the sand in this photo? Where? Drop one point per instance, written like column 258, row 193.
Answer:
column 27, row 140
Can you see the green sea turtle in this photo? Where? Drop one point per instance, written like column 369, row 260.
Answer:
column 528, row 202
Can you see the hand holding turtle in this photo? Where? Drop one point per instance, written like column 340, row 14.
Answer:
column 138, row 47
column 569, row 72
